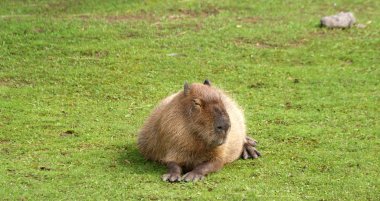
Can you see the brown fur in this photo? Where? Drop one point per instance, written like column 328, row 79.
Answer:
column 181, row 129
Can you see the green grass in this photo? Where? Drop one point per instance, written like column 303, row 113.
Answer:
column 77, row 80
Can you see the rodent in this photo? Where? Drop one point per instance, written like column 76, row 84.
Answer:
column 196, row 130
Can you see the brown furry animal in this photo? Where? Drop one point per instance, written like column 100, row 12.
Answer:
column 198, row 130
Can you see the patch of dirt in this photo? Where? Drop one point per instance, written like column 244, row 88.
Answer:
column 185, row 14
column 33, row 176
column 177, row 28
column 177, row 17
column 143, row 16
column 183, row 20
column 57, row 6
column 256, row 85
column 5, row 151
column 85, row 146
column 11, row 170
column 277, row 122
column 84, row 17
column 301, row 140
column 44, row 168
column 39, row 30
column 181, row 28
column 65, row 153
column 314, row 34
column 250, row 20
column 15, row 83
column 95, row 53
column 69, row 133
column 241, row 41
column 132, row 34
column 324, row 168
column 205, row 12
column 297, row 42
column 131, row 17
column 292, row 43
column 264, row 44
column 288, row 105
column 346, row 61
column 4, row 141
column 294, row 80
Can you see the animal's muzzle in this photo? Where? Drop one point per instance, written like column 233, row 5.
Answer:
column 222, row 126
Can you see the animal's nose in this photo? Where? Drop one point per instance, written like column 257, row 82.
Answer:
column 219, row 128
column 222, row 127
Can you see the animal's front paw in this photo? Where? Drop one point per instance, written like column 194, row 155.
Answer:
column 249, row 149
column 171, row 177
column 193, row 176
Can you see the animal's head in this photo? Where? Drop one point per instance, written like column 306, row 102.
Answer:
column 206, row 114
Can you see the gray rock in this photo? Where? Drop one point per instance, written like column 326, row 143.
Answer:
column 341, row 20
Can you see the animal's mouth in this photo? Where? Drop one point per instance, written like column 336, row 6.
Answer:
column 220, row 141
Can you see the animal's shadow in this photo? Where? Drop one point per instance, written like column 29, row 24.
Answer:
column 134, row 162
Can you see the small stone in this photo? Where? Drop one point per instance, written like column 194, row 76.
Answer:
column 176, row 55
column 172, row 54
column 361, row 26
column 340, row 20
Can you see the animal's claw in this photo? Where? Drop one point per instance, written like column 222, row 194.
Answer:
column 249, row 149
column 171, row 177
column 193, row 176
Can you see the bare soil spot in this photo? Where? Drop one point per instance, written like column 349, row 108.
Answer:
column 86, row 146
column 324, row 168
column 131, row 17
column 69, row 133
column 288, row 105
column 14, row 83
column 301, row 140
column 39, row 30
column 277, row 121
column 250, row 20
column 57, row 6
column 44, row 168
column 95, row 53
column 11, row 170
column 256, row 85
column 181, row 27
column 205, row 12
column 243, row 41
column 120, row 18
column 294, row 80
column 4, row 141
column 5, row 151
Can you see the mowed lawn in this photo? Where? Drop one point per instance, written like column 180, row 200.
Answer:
column 78, row 79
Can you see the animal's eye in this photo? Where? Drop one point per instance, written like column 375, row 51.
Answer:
column 197, row 102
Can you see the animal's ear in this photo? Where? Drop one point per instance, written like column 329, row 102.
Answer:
column 207, row 82
column 186, row 89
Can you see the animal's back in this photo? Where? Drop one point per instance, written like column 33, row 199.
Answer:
column 149, row 141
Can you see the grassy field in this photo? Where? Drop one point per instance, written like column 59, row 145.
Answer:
column 78, row 78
